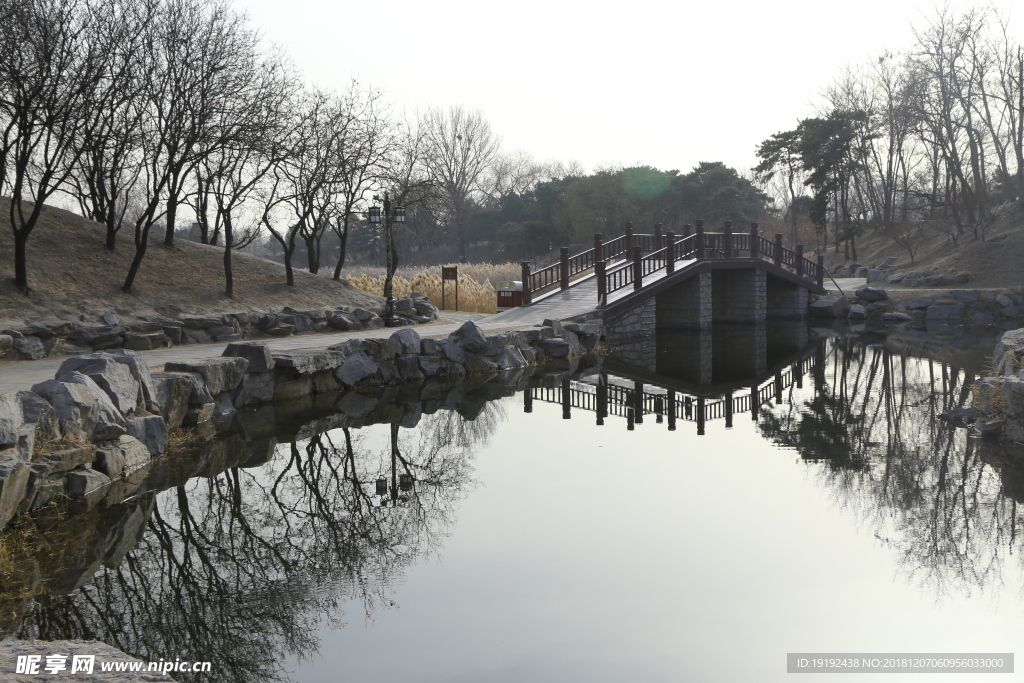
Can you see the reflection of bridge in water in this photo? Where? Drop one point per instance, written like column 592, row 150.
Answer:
column 624, row 390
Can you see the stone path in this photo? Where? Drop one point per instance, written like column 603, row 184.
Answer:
column 19, row 375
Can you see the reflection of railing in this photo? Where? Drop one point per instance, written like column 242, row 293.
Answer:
column 642, row 399
column 646, row 254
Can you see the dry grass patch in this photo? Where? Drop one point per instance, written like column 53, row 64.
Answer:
column 477, row 282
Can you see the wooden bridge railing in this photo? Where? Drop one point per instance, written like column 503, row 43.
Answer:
column 645, row 254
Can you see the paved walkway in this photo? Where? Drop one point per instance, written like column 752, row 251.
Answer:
column 19, row 375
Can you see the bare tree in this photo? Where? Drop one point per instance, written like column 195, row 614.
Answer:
column 459, row 154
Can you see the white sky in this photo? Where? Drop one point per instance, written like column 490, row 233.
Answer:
column 666, row 84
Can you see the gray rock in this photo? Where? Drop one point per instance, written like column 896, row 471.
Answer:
column 362, row 315
column 430, row 365
column 374, row 322
column 255, row 387
column 257, row 353
column 967, row 296
column 829, row 307
column 207, row 322
column 511, row 358
column 556, row 348
column 356, row 368
column 409, row 367
column 39, row 412
column 470, row 337
column 144, row 342
column 913, row 282
column 351, row 346
column 339, row 320
column 301, row 323
column 14, row 475
column 872, row 294
column 55, row 462
column 30, row 348
column 81, row 483
column 876, row 275
column 431, row 347
column 944, row 311
column 1004, row 300
column 190, row 335
column 223, row 412
column 983, row 319
column 82, row 407
column 221, row 374
column 920, row 302
column 109, row 319
column 173, row 390
column 857, row 312
column 97, row 336
column 453, row 350
column 861, row 272
column 151, row 431
column 112, row 377
column 281, row 330
column 385, row 349
column 197, row 415
column 895, row 278
column 309, row 362
column 224, row 333
column 990, row 427
column 12, row 417
column 6, row 345
column 115, row 457
column 289, row 387
column 409, row 339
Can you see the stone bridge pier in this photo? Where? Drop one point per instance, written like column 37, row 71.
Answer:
column 727, row 295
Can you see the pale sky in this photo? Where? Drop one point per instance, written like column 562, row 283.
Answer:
column 665, row 84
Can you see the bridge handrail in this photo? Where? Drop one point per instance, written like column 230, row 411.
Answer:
column 585, row 260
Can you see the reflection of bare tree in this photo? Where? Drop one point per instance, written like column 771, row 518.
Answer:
column 242, row 569
column 918, row 482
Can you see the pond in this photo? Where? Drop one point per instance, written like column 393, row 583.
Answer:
column 690, row 510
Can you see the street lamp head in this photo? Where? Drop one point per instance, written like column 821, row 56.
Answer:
column 399, row 214
column 374, row 214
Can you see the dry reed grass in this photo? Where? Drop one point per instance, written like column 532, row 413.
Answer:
column 477, row 282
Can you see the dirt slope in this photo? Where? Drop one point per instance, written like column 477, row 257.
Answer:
column 71, row 273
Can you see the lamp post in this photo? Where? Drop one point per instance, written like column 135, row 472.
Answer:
column 399, row 482
column 391, row 215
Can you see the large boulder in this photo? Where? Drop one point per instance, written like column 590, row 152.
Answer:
column 1009, row 352
column 944, row 311
column 409, row 339
column 829, row 307
column 470, row 337
column 220, row 374
column 112, row 377
column 135, row 363
column 872, row 293
column 356, row 368
column 309, row 362
column 173, row 390
column 151, row 431
column 12, row 417
column 82, row 407
column 14, row 474
column 511, row 358
column 257, row 353
column 255, row 387
column 38, row 411
column 339, row 320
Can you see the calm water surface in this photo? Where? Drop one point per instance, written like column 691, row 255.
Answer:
column 832, row 513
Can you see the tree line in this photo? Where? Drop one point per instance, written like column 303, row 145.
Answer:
column 148, row 116
column 927, row 139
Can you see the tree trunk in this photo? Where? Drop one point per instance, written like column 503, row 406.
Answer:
column 312, row 258
column 288, row 274
column 111, row 232
column 343, row 238
column 140, row 252
column 229, row 284
column 20, row 262
column 172, row 207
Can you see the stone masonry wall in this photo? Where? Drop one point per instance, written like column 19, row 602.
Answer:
column 785, row 300
column 738, row 295
column 635, row 324
column 687, row 304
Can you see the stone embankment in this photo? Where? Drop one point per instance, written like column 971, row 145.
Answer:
column 998, row 408
column 87, row 435
column 967, row 306
column 71, row 338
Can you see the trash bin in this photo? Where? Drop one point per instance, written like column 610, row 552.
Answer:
column 510, row 295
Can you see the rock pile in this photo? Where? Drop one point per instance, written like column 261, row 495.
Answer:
column 999, row 398
column 104, row 415
column 56, row 337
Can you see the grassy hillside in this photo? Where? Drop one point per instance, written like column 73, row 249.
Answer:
column 997, row 262
column 71, row 273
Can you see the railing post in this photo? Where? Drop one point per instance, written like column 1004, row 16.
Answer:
column 629, row 239
column 755, row 237
column 670, row 259
column 638, row 268
column 727, row 238
column 821, row 270
column 800, row 260
column 700, row 241
column 657, row 237
column 602, row 282
column 686, row 230
column 778, row 249
column 526, row 283
column 598, row 244
column 563, row 254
